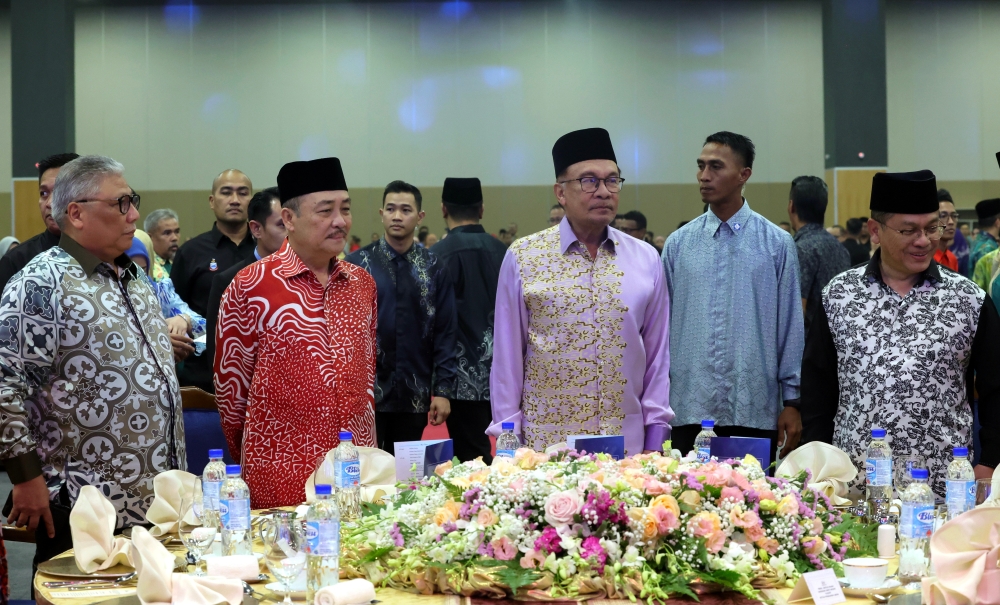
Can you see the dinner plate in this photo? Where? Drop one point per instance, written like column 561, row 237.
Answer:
column 166, row 539
column 66, row 567
column 887, row 588
column 134, row 600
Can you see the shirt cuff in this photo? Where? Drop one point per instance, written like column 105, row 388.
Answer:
column 23, row 467
column 656, row 434
column 789, row 392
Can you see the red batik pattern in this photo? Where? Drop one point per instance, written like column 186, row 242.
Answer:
column 294, row 364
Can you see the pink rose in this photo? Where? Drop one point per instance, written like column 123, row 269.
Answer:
column 487, row 517
column 666, row 520
column 817, row 528
column 770, row 545
column 733, row 493
column 741, row 482
column 561, row 507
column 532, row 559
column 517, row 485
column 754, row 533
column 503, row 549
column 715, row 542
column 744, row 519
column 704, row 524
column 719, row 476
column 654, row 487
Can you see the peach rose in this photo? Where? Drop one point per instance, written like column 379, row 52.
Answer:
column 754, row 533
column 769, row 544
column 733, row 493
column 741, row 482
column 562, row 507
column 487, row 517
column 704, row 524
column 788, row 505
column 442, row 468
column 654, row 487
column 744, row 519
column 719, row 476
column 532, row 559
column 715, row 542
column 691, row 498
column 668, row 502
column 447, row 513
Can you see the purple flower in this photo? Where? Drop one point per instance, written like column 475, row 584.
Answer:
column 396, row 535
column 449, row 527
column 485, row 549
column 549, row 541
column 692, row 483
column 592, row 551
column 600, row 508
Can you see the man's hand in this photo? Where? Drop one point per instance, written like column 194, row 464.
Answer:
column 178, row 326
column 440, row 410
column 789, row 430
column 31, row 505
column 983, row 472
column 182, row 345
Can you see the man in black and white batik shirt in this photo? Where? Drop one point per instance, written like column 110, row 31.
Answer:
column 897, row 342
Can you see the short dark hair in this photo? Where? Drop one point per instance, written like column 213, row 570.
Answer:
column 556, row 206
column 422, row 236
column 403, row 187
column 841, row 227
column 55, row 161
column 638, row 217
column 463, row 212
column 809, row 198
column 682, row 223
column 502, row 232
column 988, row 222
column 854, row 226
column 880, row 217
column 259, row 208
column 741, row 145
column 785, row 223
column 944, row 195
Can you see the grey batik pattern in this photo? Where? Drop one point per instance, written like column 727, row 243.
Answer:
column 902, row 365
column 80, row 385
column 473, row 379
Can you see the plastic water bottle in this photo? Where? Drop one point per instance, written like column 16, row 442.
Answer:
column 703, row 442
column 507, row 442
column 212, row 478
column 234, row 512
column 323, row 535
column 916, row 521
column 961, row 482
column 347, row 476
column 878, row 474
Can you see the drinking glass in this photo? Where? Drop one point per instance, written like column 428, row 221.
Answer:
column 285, row 550
column 197, row 526
column 983, row 488
column 902, row 467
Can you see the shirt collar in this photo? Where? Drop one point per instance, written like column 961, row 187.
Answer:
column 874, row 270
column 476, row 228
column 806, row 230
column 414, row 250
column 736, row 222
column 91, row 263
column 567, row 237
column 256, row 253
column 218, row 236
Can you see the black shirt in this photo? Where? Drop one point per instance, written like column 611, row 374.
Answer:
column 472, row 260
column 860, row 253
column 196, row 264
column 16, row 259
column 416, row 327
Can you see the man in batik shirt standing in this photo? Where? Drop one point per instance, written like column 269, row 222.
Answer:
column 295, row 355
column 582, row 314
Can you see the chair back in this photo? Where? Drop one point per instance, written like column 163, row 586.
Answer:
column 202, row 428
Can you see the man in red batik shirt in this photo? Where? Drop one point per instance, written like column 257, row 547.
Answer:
column 949, row 218
column 295, row 354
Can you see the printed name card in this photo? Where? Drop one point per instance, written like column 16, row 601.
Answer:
column 821, row 586
column 426, row 455
column 614, row 445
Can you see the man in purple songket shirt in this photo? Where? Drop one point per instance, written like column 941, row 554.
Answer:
column 582, row 317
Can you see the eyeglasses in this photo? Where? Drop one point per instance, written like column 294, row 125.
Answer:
column 589, row 184
column 123, row 202
column 932, row 233
column 948, row 215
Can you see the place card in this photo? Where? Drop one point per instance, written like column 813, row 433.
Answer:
column 614, row 445
column 426, row 455
column 821, row 586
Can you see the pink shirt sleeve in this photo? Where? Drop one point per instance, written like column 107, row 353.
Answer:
column 656, row 411
column 510, row 341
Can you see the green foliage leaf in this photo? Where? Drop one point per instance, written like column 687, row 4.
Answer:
column 376, row 554
column 453, row 490
column 723, row 577
column 369, row 509
column 864, row 536
column 515, row 576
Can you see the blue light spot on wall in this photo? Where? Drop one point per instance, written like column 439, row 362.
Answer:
column 416, row 112
column 180, row 16
column 711, row 77
column 707, row 46
column 220, row 110
column 501, row 76
column 314, row 146
column 456, row 9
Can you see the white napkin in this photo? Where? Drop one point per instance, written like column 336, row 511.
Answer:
column 236, row 567
column 965, row 552
column 159, row 585
column 351, row 592
column 92, row 526
column 378, row 474
column 831, row 468
column 168, row 488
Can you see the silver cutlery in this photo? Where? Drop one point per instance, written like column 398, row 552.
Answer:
column 110, row 580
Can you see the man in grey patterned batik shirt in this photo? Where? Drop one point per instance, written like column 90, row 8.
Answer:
column 896, row 342
column 88, row 394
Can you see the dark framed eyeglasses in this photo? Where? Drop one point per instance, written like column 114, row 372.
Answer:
column 123, row 202
column 589, row 184
column 932, row 233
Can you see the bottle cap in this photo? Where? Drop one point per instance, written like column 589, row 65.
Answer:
column 878, row 433
column 215, row 453
column 918, row 473
column 507, row 426
column 322, row 490
column 707, row 424
column 960, row 451
column 346, row 436
column 232, row 469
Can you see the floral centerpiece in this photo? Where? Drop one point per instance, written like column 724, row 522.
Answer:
column 574, row 526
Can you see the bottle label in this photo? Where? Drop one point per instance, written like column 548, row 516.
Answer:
column 505, row 454
column 916, row 520
column 878, row 472
column 323, row 538
column 348, row 473
column 961, row 496
column 704, row 454
column 210, row 494
column 235, row 514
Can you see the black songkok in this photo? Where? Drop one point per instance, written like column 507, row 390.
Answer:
column 462, row 192
column 580, row 146
column 301, row 178
column 987, row 209
column 904, row 192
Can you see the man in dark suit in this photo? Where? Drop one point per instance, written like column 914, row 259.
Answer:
column 472, row 260
column 268, row 230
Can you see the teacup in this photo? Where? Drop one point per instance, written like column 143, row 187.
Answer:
column 865, row 572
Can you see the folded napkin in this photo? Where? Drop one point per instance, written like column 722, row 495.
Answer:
column 168, row 488
column 351, row 592
column 378, row 474
column 159, row 585
column 965, row 552
column 831, row 469
column 92, row 526
column 235, row 567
